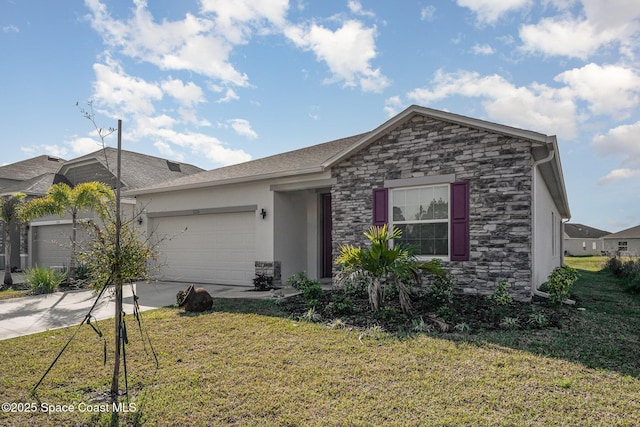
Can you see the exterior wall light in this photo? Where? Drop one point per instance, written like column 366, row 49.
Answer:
column 263, row 213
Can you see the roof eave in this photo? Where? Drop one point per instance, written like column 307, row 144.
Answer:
column 230, row 181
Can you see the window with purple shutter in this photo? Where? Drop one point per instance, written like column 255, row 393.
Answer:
column 459, row 221
column 433, row 218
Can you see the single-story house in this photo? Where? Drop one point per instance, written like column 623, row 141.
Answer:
column 624, row 243
column 31, row 177
column 46, row 241
column 580, row 239
column 485, row 198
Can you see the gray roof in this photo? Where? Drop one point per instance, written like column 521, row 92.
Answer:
column 137, row 170
column 295, row 162
column 319, row 158
column 37, row 186
column 581, row 231
column 31, row 168
column 629, row 233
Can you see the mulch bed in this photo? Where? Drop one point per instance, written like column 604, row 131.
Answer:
column 468, row 313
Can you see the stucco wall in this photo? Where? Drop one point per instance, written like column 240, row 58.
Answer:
column 548, row 233
column 498, row 169
column 579, row 247
column 633, row 246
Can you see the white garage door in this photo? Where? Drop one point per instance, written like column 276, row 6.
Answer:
column 52, row 245
column 214, row 248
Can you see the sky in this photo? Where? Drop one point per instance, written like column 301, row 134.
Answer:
column 218, row 82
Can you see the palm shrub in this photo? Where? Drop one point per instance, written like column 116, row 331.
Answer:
column 43, row 280
column 382, row 265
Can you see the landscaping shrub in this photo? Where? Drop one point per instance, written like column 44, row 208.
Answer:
column 560, row 281
column 614, row 265
column 263, row 282
column 340, row 305
column 43, row 280
column 356, row 288
column 628, row 271
column 440, row 293
column 311, row 289
column 500, row 296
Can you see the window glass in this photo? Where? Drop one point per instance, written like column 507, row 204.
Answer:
column 422, row 214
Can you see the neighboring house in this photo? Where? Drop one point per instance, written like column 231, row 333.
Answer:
column 485, row 198
column 31, row 177
column 580, row 239
column 45, row 241
column 624, row 243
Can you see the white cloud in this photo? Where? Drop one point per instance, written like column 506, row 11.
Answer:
column 621, row 141
column 123, row 94
column 537, row 107
column 608, row 89
column 393, row 106
column 347, row 52
column 186, row 94
column 563, row 37
column 356, row 8
column 243, row 127
column 166, row 150
column 229, row 95
column 198, row 143
column 190, row 44
column 427, row 13
column 489, row 11
column 482, row 49
column 10, row 29
column 618, row 175
column 598, row 25
column 50, row 149
column 235, row 19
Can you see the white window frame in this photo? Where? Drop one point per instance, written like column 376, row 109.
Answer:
column 440, row 221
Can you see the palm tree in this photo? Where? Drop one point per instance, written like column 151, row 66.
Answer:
column 8, row 213
column 382, row 264
column 62, row 200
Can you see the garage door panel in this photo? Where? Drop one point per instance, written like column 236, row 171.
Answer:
column 51, row 245
column 214, row 248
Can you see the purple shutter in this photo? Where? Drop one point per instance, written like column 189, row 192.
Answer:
column 460, row 221
column 380, row 206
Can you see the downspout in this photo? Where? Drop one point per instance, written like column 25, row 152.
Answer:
column 534, row 286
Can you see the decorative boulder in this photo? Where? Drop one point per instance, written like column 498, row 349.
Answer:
column 194, row 299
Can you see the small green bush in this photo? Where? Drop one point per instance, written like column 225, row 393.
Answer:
column 311, row 289
column 356, row 288
column 614, row 265
column 340, row 305
column 43, row 280
column 440, row 293
column 500, row 296
column 560, row 281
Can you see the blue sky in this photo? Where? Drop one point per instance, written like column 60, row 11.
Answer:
column 216, row 82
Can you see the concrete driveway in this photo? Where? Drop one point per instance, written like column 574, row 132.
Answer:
column 32, row 314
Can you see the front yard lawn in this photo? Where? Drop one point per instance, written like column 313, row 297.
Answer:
column 248, row 363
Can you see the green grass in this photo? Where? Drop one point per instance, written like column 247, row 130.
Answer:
column 12, row 293
column 246, row 364
column 588, row 263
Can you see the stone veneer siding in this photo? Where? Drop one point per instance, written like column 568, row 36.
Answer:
column 498, row 168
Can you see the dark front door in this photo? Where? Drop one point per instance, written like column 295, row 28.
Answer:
column 327, row 254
